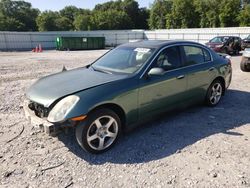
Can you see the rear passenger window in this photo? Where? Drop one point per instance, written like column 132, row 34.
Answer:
column 196, row 55
column 207, row 55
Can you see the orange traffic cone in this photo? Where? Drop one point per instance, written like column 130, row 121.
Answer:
column 40, row 48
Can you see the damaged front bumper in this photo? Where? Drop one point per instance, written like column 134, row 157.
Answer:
column 41, row 123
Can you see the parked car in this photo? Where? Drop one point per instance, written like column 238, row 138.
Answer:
column 245, row 60
column 226, row 44
column 246, row 42
column 130, row 84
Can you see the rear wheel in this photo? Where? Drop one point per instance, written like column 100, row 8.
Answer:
column 100, row 131
column 236, row 52
column 214, row 93
column 225, row 51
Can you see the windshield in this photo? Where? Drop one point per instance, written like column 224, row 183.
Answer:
column 219, row 39
column 123, row 60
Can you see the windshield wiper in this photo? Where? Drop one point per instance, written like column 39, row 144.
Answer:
column 101, row 70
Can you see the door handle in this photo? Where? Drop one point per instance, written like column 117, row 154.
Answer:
column 211, row 69
column 180, row 77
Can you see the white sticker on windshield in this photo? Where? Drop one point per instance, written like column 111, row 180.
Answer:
column 142, row 50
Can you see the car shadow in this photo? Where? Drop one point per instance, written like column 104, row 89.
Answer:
column 170, row 134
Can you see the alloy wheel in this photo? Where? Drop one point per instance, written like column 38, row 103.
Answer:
column 216, row 93
column 102, row 132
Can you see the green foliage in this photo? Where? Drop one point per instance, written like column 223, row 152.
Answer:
column 46, row 21
column 17, row 16
column 110, row 19
column 208, row 11
column 63, row 24
column 142, row 22
column 68, row 15
column 82, row 22
column 229, row 11
column 244, row 16
column 159, row 13
column 125, row 14
column 183, row 15
column 69, row 12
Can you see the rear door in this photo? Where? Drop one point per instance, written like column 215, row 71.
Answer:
column 199, row 69
column 158, row 93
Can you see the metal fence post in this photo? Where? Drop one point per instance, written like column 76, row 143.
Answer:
column 31, row 42
column 5, row 41
column 116, row 39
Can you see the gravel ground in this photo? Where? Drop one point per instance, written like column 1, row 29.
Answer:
column 197, row 147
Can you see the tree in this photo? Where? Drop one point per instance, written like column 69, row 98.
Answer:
column 82, row 22
column 131, row 8
column 63, row 24
column 17, row 16
column 244, row 16
column 46, row 21
column 229, row 11
column 142, row 21
column 158, row 13
column 110, row 5
column 68, row 14
column 111, row 19
column 208, row 11
column 183, row 15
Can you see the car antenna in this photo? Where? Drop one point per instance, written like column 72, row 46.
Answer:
column 64, row 69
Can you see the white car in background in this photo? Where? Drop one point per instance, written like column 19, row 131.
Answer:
column 245, row 61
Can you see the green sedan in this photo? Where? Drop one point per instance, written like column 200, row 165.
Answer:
column 125, row 87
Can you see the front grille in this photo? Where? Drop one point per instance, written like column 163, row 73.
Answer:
column 39, row 109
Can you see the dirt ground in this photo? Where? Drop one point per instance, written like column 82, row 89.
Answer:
column 198, row 147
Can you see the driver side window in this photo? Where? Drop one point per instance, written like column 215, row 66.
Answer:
column 169, row 59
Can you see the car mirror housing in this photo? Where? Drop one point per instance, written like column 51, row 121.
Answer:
column 156, row 71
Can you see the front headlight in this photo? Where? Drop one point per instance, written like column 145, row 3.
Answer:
column 62, row 108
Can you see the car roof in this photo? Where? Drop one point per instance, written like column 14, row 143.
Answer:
column 155, row 43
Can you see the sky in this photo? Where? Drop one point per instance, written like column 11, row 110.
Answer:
column 87, row 4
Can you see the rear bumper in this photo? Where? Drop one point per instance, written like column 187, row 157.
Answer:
column 42, row 124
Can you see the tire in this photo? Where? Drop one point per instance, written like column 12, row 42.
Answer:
column 214, row 93
column 236, row 52
column 243, row 67
column 226, row 51
column 99, row 132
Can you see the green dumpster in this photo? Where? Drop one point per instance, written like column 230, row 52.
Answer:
column 80, row 43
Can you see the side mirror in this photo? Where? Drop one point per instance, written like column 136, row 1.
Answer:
column 156, row 72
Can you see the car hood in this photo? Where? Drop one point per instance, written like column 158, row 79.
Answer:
column 47, row 90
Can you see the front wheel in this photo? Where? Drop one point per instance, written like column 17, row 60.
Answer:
column 100, row 131
column 244, row 67
column 214, row 93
